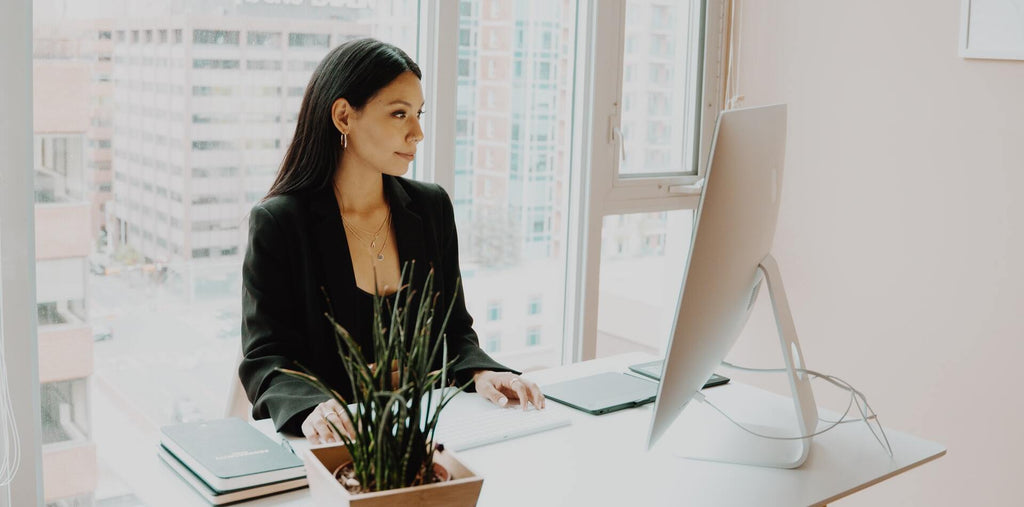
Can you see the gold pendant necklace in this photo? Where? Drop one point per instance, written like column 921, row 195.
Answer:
column 379, row 254
column 375, row 234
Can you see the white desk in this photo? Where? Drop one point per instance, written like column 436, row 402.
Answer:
column 600, row 460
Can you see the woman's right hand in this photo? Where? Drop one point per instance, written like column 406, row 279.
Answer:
column 316, row 428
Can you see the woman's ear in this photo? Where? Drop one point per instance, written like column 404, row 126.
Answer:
column 341, row 113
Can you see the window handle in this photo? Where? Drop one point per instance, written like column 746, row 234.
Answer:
column 616, row 131
column 691, row 189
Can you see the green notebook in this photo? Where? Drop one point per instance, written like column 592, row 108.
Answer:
column 226, row 497
column 229, row 454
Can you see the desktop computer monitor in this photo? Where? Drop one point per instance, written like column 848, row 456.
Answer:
column 729, row 248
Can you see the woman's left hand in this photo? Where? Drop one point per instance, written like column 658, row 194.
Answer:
column 500, row 387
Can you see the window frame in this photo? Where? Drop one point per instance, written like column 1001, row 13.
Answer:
column 17, row 253
column 595, row 188
column 600, row 191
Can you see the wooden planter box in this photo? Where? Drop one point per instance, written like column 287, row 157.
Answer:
column 462, row 490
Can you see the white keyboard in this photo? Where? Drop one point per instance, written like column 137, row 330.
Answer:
column 470, row 421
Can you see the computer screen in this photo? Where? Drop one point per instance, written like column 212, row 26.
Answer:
column 733, row 233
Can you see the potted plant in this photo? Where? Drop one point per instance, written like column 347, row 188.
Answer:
column 392, row 458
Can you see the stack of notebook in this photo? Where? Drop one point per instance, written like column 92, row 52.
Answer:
column 227, row 460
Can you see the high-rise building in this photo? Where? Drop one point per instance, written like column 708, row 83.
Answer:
column 64, row 240
column 512, row 149
column 658, row 99
column 88, row 43
column 204, row 108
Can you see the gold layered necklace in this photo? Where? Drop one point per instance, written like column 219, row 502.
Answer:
column 373, row 238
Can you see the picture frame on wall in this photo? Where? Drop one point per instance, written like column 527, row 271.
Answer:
column 992, row 29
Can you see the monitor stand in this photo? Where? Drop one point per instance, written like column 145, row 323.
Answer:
column 724, row 442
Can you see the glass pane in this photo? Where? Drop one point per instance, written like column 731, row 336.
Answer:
column 157, row 126
column 643, row 256
column 512, row 172
column 65, row 411
column 659, row 87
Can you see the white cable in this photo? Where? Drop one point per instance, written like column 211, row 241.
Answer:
column 10, row 445
column 838, row 382
column 703, row 399
column 842, row 384
column 866, row 412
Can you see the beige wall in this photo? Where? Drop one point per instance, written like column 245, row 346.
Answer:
column 901, row 234
column 61, row 96
column 66, row 227
column 74, row 465
column 65, row 352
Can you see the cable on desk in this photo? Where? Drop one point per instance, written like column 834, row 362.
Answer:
column 856, row 397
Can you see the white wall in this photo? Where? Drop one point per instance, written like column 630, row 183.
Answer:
column 901, row 234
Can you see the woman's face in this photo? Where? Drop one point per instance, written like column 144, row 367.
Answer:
column 383, row 135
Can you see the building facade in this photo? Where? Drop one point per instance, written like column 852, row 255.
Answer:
column 63, row 242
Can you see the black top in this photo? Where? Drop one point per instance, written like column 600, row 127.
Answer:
column 363, row 334
column 297, row 252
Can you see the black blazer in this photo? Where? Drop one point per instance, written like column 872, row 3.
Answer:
column 297, row 246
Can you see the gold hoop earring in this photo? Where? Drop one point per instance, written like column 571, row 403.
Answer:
column 344, row 140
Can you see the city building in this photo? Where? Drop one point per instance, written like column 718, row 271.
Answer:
column 63, row 219
column 511, row 171
column 204, row 108
column 88, row 43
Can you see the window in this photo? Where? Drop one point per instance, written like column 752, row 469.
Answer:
column 215, row 172
column 215, row 118
column 668, row 77
column 642, row 260
column 205, row 63
column 493, row 343
column 534, row 308
column 263, row 64
column 201, row 199
column 496, row 228
column 544, row 70
column 205, row 91
column 302, row 66
column 493, row 311
column 199, row 116
column 173, row 230
column 213, row 145
column 65, row 412
column 656, row 158
column 308, row 40
column 266, row 40
column 533, row 337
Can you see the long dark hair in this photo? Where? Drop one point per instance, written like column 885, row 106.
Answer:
column 355, row 71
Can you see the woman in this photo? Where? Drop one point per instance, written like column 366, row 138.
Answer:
column 337, row 214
